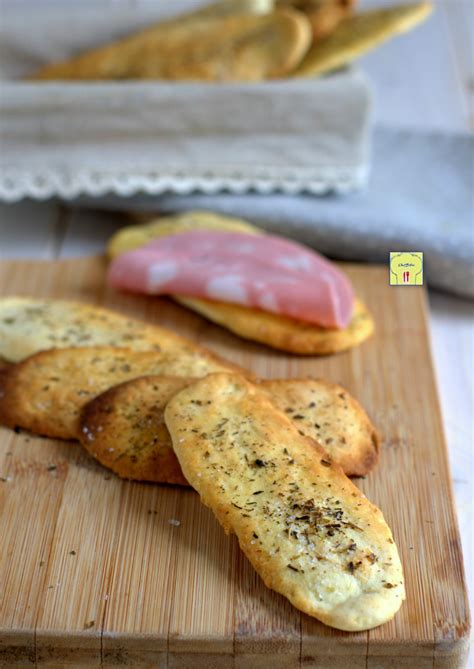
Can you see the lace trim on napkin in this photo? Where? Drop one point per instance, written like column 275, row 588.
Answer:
column 18, row 183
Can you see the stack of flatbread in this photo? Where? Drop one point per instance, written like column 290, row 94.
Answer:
column 271, row 458
column 244, row 40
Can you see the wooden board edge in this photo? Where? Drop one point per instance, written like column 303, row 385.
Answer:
column 17, row 647
column 76, row 648
column 453, row 654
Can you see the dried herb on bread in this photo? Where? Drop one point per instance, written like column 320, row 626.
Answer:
column 46, row 392
column 307, row 530
column 29, row 325
column 123, row 428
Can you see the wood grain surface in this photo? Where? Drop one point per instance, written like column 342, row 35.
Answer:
column 92, row 573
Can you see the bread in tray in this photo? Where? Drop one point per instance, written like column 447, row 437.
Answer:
column 238, row 47
column 307, row 530
column 123, row 428
column 243, row 40
column 359, row 34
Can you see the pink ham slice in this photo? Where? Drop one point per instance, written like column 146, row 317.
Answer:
column 259, row 271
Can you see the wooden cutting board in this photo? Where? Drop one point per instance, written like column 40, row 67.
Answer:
column 93, row 573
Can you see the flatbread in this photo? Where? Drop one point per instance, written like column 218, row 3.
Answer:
column 285, row 334
column 359, row 34
column 282, row 333
column 124, row 429
column 46, row 392
column 29, row 325
column 307, row 530
column 242, row 47
column 327, row 413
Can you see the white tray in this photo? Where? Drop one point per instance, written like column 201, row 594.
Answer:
column 71, row 139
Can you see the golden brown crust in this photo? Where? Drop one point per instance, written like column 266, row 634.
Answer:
column 307, row 530
column 4, row 363
column 284, row 334
column 358, row 34
column 242, row 47
column 327, row 413
column 46, row 392
column 123, row 428
column 29, row 325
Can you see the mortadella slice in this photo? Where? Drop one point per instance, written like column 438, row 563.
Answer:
column 257, row 271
